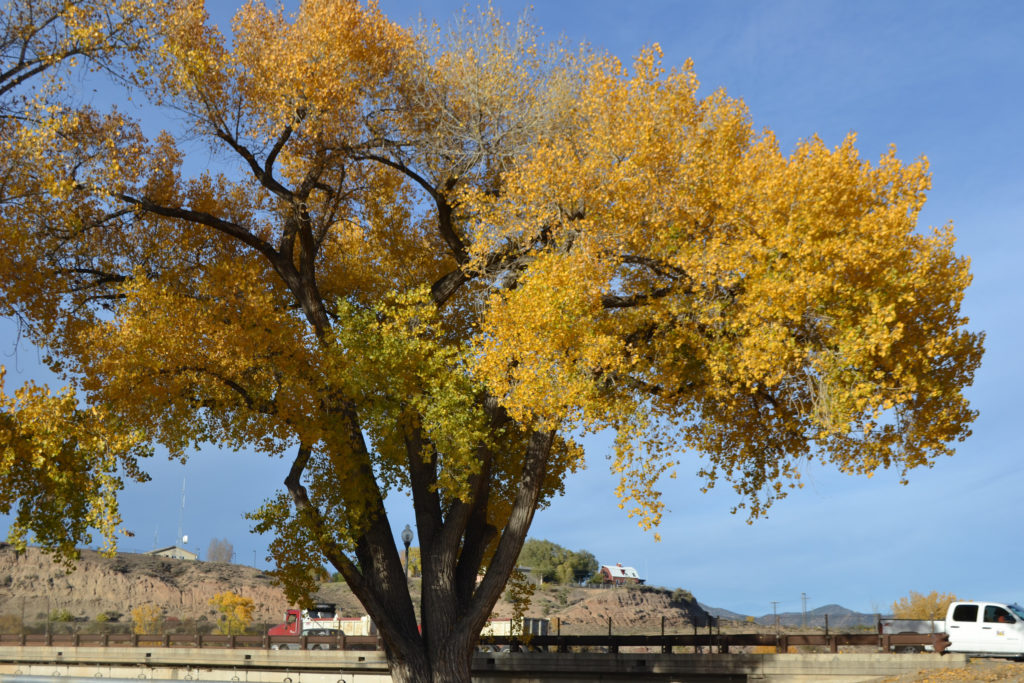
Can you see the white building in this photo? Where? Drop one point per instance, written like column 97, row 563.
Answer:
column 174, row 552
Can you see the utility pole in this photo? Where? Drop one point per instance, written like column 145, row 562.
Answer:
column 803, row 599
column 775, row 614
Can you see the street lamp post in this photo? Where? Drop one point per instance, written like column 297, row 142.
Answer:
column 407, row 539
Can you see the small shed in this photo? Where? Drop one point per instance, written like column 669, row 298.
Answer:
column 174, row 552
column 619, row 575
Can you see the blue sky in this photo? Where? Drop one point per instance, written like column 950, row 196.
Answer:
column 940, row 79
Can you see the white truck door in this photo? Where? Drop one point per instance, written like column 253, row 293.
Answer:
column 964, row 629
column 1000, row 630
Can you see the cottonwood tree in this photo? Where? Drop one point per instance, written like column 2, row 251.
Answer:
column 916, row 605
column 428, row 261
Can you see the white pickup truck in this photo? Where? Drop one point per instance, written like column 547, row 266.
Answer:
column 991, row 629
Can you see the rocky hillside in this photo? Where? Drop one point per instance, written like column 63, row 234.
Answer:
column 32, row 586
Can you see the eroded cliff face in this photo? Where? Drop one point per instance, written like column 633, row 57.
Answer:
column 33, row 585
column 632, row 608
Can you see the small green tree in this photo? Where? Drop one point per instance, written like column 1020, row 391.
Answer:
column 519, row 592
column 415, row 562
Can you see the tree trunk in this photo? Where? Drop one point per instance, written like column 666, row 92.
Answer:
column 451, row 662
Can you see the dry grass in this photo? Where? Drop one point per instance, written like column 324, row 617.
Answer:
column 977, row 670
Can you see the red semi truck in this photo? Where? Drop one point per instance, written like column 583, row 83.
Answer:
column 322, row 619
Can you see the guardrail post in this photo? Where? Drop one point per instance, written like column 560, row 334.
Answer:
column 342, row 645
column 167, row 640
column 76, row 640
column 231, row 641
column 135, row 640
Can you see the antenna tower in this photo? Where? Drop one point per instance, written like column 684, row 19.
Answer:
column 181, row 513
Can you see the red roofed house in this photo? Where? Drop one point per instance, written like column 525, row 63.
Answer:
column 619, row 575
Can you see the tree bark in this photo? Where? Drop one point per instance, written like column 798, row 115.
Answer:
column 441, row 651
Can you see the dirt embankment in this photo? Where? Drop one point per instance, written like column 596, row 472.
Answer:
column 32, row 586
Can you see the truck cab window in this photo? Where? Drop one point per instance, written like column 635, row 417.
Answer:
column 997, row 615
column 965, row 613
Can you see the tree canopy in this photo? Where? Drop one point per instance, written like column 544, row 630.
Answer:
column 555, row 563
column 428, row 261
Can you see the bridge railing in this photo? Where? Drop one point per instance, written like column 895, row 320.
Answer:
column 700, row 642
column 251, row 642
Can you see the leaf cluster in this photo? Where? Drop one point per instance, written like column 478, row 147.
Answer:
column 235, row 612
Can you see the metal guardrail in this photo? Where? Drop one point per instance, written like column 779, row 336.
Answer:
column 701, row 642
column 718, row 642
column 249, row 642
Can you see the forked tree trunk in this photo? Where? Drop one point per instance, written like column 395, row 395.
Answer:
column 455, row 606
column 449, row 663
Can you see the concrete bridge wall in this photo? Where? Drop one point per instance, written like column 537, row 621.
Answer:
column 117, row 665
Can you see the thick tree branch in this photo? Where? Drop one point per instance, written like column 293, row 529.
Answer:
column 443, row 290
column 633, row 300
column 202, row 218
column 445, row 222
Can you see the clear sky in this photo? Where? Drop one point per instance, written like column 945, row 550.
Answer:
column 940, row 79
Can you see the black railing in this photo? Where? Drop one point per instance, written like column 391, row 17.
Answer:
column 699, row 642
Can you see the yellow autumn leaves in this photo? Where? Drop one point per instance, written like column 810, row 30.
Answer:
column 689, row 283
column 438, row 242
column 61, row 469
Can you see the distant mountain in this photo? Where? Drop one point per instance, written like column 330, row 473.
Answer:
column 839, row 617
